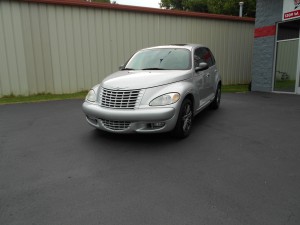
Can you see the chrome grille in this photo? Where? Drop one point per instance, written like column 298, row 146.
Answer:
column 115, row 125
column 120, row 99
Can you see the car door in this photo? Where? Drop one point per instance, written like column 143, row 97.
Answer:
column 210, row 60
column 201, row 78
column 211, row 73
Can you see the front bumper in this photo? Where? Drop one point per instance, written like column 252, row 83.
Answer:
column 146, row 120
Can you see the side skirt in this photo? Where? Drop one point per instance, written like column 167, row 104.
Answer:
column 204, row 103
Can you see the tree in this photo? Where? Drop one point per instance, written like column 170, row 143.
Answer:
column 196, row 5
column 231, row 7
column 172, row 4
column 228, row 7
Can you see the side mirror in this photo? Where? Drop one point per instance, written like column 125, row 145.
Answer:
column 202, row 66
column 121, row 67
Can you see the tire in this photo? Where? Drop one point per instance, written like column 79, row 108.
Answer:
column 215, row 104
column 184, row 122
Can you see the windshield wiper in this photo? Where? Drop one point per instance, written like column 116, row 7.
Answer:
column 127, row 69
column 154, row 68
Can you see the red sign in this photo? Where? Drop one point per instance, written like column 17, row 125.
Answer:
column 292, row 14
column 291, row 9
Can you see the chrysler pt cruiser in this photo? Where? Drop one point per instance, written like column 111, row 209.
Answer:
column 159, row 89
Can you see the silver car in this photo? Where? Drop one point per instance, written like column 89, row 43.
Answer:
column 159, row 89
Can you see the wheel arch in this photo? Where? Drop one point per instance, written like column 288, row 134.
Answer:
column 216, row 84
column 191, row 97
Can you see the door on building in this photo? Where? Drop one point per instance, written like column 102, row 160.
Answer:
column 287, row 65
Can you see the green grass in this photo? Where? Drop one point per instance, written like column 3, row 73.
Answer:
column 41, row 97
column 235, row 88
column 81, row 95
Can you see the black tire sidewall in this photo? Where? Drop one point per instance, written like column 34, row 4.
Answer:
column 179, row 132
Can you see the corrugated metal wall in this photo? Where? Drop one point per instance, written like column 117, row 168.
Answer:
column 46, row 48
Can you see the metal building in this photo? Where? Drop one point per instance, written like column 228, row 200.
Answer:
column 65, row 46
column 276, row 57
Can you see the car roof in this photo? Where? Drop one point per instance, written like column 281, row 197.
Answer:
column 183, row 46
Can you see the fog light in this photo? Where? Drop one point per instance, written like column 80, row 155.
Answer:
column 157, row 125
column 92, row 120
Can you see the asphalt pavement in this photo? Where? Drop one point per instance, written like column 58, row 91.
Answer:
column 240, row 166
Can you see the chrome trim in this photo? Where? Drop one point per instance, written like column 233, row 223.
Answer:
column 115, row 125
column 120, row 99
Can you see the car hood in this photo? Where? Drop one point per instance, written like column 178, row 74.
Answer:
column 138, row 79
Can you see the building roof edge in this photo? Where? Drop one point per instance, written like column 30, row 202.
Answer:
column 142, row 9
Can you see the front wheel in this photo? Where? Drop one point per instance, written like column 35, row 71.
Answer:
column 184, row 122
column 217, row 100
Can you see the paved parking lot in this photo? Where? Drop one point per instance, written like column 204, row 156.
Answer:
column 241, row 165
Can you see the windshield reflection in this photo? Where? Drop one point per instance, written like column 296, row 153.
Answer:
column 160, row 59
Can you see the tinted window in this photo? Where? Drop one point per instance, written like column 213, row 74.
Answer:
column 288, row 30
column 203, row 55
column 213, row 61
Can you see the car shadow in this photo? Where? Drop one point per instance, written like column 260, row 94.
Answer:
column 98, row 135
column 155, row 140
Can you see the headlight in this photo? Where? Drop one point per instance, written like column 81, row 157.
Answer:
column 91, row 96
column 165, row 99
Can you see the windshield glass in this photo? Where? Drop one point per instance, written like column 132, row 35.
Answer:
column 160, row 59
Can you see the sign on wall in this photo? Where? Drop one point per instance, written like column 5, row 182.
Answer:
column 291, row 9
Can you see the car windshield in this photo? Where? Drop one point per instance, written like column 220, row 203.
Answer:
column 160, row 59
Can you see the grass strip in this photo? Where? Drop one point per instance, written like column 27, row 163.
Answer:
column 81, row 95
column 235, row 88
column 41, row 97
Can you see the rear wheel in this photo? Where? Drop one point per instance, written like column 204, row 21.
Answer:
column 184, row 122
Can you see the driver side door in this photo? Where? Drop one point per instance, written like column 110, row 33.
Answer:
column 202, row 78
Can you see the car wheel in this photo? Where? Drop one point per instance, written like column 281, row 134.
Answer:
column 184, row 122
column 217, row 100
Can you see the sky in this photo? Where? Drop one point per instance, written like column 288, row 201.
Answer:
column 145, row 3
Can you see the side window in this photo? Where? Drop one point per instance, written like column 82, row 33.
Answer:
column 204, row 55
column 207, row 57
column 199, row 56
column 212, row 58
